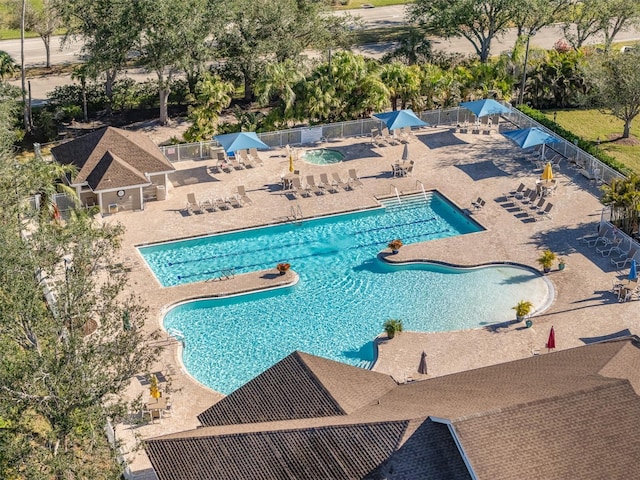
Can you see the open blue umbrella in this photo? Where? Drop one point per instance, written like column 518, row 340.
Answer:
column 232, row 142
column 531, row 137
column 482, row 108
column 400, row 119
column 633, row 272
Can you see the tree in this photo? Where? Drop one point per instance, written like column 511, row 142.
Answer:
column 623, row 198
column 277, row 30
column 43, row 18
column 64, row 362
column 109, row 30
column 170, row 34
column 403, row 84
column 618, row 16
column 616, row 78
column 211, row 97
column 476, row 20
column 414, row 48
column 276, row 82
column 584, row 20
column 7, row 65
column 535, row 14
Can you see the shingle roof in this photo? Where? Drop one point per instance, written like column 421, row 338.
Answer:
column 299, row 386
column 531, row 408
column 134, row 148
column 340, row 452
column 589, row 434
column 113, row 172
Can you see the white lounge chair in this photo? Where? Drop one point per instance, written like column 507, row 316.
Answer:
column 192, row 205
column 256, row 157
column 298, row 188
column 622, row 260
column 312, row 187
column 615, row 245
column 354, row 179
column 326, row 184
column 243, row 195
column 337, row 181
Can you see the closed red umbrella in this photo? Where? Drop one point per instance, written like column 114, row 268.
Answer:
column 551, row 343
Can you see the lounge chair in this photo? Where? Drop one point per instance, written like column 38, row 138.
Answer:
column 614, row 246
column 478, row 204
column 192, row 205
column 243, row 195
column 538, row 206
column 221, row 204
column 256, row 157
column 326, row 184
column 298, row 188
column 376, row 138
column 592, row 240
column 312, row 187
column 546, row 213
column 513, row 193
column 388, row 137
column 354, row 179
column 234, row 202
column 207, row 205
column 622, row 260
column 337, row 181
column 243, row 155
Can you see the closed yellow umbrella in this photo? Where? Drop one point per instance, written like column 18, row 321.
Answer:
column 291, row 169
column 154, row 391
column 547, row 173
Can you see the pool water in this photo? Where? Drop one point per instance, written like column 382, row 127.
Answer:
column 344, row 295
column 322, row 156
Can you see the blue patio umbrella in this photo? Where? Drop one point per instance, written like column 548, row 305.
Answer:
column 400, row 119
column 232, row 142
column 531, row 137
column 482, row 108
column 633, row 272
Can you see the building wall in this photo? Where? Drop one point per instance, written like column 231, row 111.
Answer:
column 130, row 201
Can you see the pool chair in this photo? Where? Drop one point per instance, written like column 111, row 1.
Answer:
column 337, row 181
column 243, row 155
column 354, row 179
column 625, row 259
column 515, row 192
column 478, row 204
column 326, row 184
column 603, row 231
column 615, row 246
column 298, row 189
column 312, row 187
column 243, row 195
column 376, row 138
column 390, row 139
column 545, row 214
column 221, row 204
column 192, row 205
column 233, row 201
column 255, row 156
column 207, row 205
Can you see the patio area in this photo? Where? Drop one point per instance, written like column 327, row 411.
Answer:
column 463, row 167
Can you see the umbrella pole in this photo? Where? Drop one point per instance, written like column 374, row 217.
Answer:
column 542, row 154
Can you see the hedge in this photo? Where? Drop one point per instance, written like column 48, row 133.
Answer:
column 587, row 146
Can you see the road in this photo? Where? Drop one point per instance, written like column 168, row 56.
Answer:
column 371, row 18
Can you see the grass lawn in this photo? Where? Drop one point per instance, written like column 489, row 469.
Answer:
column 593, row 125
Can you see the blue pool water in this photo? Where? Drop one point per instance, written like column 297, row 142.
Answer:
column 344, row 294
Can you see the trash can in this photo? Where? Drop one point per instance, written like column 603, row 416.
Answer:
column 161, row 193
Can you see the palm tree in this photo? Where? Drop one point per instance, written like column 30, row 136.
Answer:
column 7, row 65
column 212, row 96
column 277, row 82
column 623, row 197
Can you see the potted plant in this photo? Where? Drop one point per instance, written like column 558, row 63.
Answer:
column 392, row 327
column 523, row 308
column 546, row 260
column 561, row 264
column 283, row 267
column 395, row 245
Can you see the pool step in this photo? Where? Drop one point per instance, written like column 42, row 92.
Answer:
column 406, row 201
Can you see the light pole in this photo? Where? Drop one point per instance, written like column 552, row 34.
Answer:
column 532, row 32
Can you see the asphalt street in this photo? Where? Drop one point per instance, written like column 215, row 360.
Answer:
column 369, row 18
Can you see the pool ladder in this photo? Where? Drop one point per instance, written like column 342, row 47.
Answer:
column 225, row 274
column 424, row 194
column 392, row 186
column 296, row 213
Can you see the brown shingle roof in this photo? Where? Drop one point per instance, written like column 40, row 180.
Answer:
column 134, row 148
column 533, row 408
column 299, row 386
column 589, row 434
column 113, row 172
column 344, row 452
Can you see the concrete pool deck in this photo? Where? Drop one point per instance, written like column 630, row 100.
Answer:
column 463, row 167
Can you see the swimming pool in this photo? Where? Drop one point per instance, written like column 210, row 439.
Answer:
column 344, row 294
